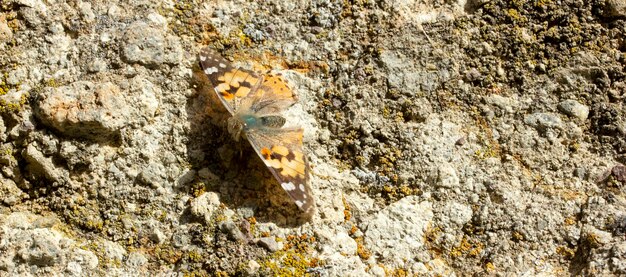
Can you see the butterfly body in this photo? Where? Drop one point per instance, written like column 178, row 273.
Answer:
column 255, row 102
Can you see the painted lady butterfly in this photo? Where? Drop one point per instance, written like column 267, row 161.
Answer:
column 255, row 102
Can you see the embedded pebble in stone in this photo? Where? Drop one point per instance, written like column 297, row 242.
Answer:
column 229, row 228
column 136, row 259
column 97, row 65
column 204, row 205
column 31, row 243
column 113, row 251
column 40, row 165
column 252, row 267
column 378, row 271
column 573, row 108
column 345, row 244
column 42, row 249
column 96, row 111
column 149, row 46
column 157, row 236
column 543, row 121
column 84, row 109
column 74, row 269
column 457, row 213
column 447, row 176
column 5, row 32
column 505, row 103
column 14, row 98
column 153, row 175
column 618, row 257
column 86, row 11
column 269, row 243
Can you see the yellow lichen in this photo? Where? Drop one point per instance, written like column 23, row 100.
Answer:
column 363, row 252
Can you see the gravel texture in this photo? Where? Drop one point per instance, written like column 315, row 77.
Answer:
column 470, row 137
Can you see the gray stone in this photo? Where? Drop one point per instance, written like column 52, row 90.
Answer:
column 3, row 130
column 149, row 46
column 457, row 213
column 41, row 249
column 269, row 243
column 345, row 244
column 136, row 259
column 40, row 165
column 252, row 267
column 229, row 228
column 153, row 175
column 74, row 269
column 617, row 258
column 447, row 176
column 573, row 108
column 31, row 243
column 543, row 121
column 403, row 76
column 397, row 231
column 86, row 259
column 113, row 251
column 14, row 97
column 205, row 205
column 97, row 65
column 157, row 236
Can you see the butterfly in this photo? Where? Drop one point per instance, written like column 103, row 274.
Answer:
column 255, row 102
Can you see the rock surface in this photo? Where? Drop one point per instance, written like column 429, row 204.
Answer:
column 444, row 138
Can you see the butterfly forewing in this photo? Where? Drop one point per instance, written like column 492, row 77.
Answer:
column 231, row 84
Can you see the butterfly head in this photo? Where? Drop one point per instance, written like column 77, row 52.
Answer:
column 236, row 126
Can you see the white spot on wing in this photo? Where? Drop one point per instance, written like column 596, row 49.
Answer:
column 210, row 70
column 203, row 58
column 222, row 65
column 288, row 186
column 300, row 203
column 301, row 187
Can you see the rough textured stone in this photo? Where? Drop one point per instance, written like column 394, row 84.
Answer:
column 149, row 46
column 85, row 109
column 96, row 111
column 385, row 90
column 205, row 205
column 5, row 32
column 573, row 108
column 615, row 8
column 543, row 121
column 29, row 244
column 401, row 225
column 269, row 243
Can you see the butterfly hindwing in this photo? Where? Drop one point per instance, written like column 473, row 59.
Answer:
column 274, row 95
column 282, row 152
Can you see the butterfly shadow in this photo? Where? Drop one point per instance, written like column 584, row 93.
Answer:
column 230, row 168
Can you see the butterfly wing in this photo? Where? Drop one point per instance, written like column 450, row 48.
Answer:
column 273, row 95
column 282, row 152
column 231, row 84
